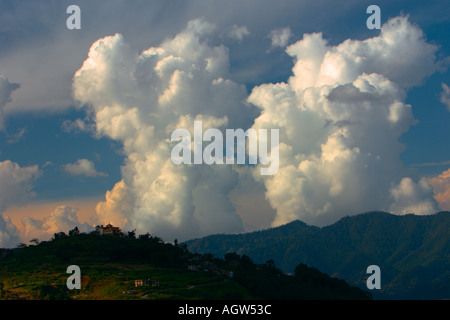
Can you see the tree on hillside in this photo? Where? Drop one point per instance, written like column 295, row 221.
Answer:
column 59, row 235
column 144, row 236
column 74, row 232
column 132, row 234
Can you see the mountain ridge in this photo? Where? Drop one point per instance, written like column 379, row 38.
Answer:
column 411, row 250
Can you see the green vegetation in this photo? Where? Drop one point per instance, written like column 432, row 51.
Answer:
column 412, row 251
column 110, row 264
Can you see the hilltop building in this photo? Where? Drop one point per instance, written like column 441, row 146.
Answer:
column 109, row 229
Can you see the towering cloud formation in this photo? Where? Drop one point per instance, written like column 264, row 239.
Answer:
column 139, row 100
column 340, row 116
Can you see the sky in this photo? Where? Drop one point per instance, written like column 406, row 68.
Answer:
column 86, row 114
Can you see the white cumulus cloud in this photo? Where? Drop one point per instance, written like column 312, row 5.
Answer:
column 117, row 207
column 62, row 219
column 139, row 99
column 340, row 116
column 411, row 197
column 83, row 167
column 400, row 53
column 280, row 37
column 441, row 186
column 16, row 184
column 9, row 235
column 238, row 32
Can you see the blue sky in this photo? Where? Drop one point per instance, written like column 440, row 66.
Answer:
column 40, row 54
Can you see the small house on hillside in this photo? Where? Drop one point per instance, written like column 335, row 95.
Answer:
column 194, row 267
column 146, row 283
column 109, row 229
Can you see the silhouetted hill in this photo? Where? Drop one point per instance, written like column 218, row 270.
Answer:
column 412, row 251
column 111, row 264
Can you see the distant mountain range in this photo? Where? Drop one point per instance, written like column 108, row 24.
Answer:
column 412, row 251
